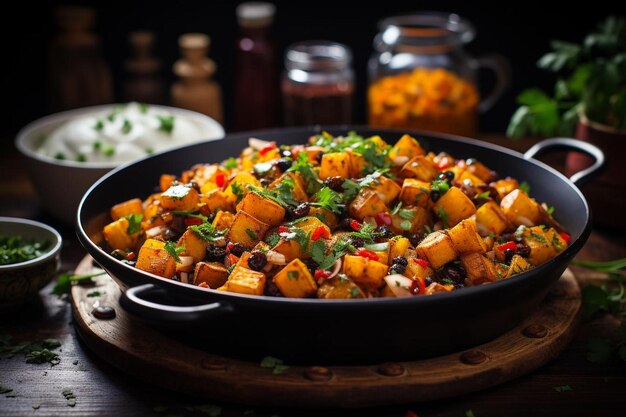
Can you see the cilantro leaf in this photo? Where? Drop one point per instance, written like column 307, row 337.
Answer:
column 525, row 187
column 174, row 250
column 329, row 200
column 272, row 239
column 365, row 232
column 305, row 168
column 440, row 186
column 207, row 231
column 64, row 282
column 484, row 195
column 134, row 223
column 443, row 216
column 251, row 234
column 351, row 189
column 166, row 122
column 230, row 163
column 406, row 214
column 277, row 365
column 237, row 190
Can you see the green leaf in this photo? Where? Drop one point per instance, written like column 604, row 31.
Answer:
column 64, row 282
column 329, row 200
column 276, row 364
column 174, row 250
column 318, row 251
column 272, row 239
column 525, row 187
column 519, row 123
column 351, row 189
column 532, row 96
column 305, row 168
column 251, row 234
column 607, row 266
column 443, row 216
column 134, row 223
column 237, row 190
column 230, row 163
column 166, row 123
column 407, row 214
column 406, row 225
column 599, row 350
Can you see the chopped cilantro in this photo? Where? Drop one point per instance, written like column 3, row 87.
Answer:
column 143, row 108
column 407, row 214
column 483, row 195
column 134, row 223
column 375, row 159
column 293, row 274
column 448, row 281
column 272, row 239
column 525, row 187
column 365, row 232
column 351, row 189
column 166, row 123
column 550, row 210
column 174, row 250
column 99, row 125
column 305, row 168
column 230, row 163
column 237, row 190
column 443, row 216
column 277, row 365
column 318, row 252
column 64, row 282
column 127, row 127
column 251, row 234
column 207, row 231
column 354, row 292
column 441, row 186
column 59, row 156
column 329, row 200
column 94, row 294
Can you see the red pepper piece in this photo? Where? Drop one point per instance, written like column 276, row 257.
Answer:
column 443, row 163
column 567, row 238
column 267, row 149
column 130, row 256
column 230, row 245
column 418, row 286
column 321, row 274
column 421, row 262
column 365, row 253
column 355, row 225
column 283, row 229
column 320, row 232
column 508, row 245
column 220, row 179
column 383, row 219
column 190, row 221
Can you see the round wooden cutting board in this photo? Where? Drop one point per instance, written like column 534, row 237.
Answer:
column 155, row 357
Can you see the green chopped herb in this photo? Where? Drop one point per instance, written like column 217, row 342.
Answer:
column 207, row 231
column 95, row 294
column 99, row 125
column 483, row 195
column 351, row 189
column 407, row 214
column 563, row 388
column 237, row 190
column 440, row 186
column 36, row 406
column 149, row 150
column 59, row 155
column 354, row 292
column 134, row 223
column 525, row 187
column 443, row 216
column 174, row 250
column 166, row 123
column 108, row 150
column 469, row 413
column 65, row 281
column 365, row 232
column 293, row 274
column 97, row 145
column 277, row 365
column 81, row 158
column 448, row 281
column 230, row 163
column 396, row 208
column 251, row 233
column 14, row 249
column 329, row 200
column 42, row 356
column 143, row 108
column 375, row 158
column 281, row 194
column 550, row 210
column 272, row 239
column 230, row 268
column 127, row 127
column 405, row 225
column 305, row 168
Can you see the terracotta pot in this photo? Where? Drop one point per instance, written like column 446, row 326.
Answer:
column 606, row 193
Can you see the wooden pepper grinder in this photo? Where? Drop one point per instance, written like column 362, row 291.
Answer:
column 196, row 89
column 79, row 76
column 144, row 83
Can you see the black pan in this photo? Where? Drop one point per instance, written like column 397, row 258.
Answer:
column 347, row 331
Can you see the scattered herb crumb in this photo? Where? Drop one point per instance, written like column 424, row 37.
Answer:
column 277, row 365
column 70, row 397
column 11, row 395
column 64, row 282
column 469, row 413
column 563, row 388
column 75, row 362
column 71, row 402
column 36, row 406
column 4, row 390
column 94, row 294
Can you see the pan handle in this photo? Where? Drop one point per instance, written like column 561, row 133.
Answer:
column 132, row 301
column 582, row 176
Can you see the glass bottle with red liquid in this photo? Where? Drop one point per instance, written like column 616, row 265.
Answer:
column 257, row 93
column 317, row 84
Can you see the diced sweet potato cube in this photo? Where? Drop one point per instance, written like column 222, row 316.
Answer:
column 357, row 164
column 520, row 209
column 223, row 220
column 290, row 248
column 298, row 193
column 415, row 192
column 295, row 280
column 454, row 206
column 327, row 217
column 216, row 200
column 387, row 189
column 339, row 288
column 557, row 241
column 312, row 153
column 436, row 287
column 518, row 265
column 366, row 204
column 420, row 167
column 115, row 234
column 166, row 181
column 335, row 164
column 264, row 209
column 133, row 206
column 406, row 146
column 416, row 268
column 180, row 197
column 410, row 219
column 213, row 274
column 245, row 281
column 398, row 246
column 242, row 180
column 505, row 186
column 479, row 268
column 467, row 176
column 366, row 273
column 465, row 237
column 194, row 245
column 155, row 259
column 541, row 249
column 246, row 229
column 491, row 217
column 480, row 170
column 437, row 249
column 310, row 224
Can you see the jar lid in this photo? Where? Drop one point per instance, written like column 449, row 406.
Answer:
column 255, row 14
column 318, row 55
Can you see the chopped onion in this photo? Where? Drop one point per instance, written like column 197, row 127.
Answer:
column 184, row 277
column 219, row 241
column 399, row 285
column 276, row 258
column 185, row 260
column 523, row 220
column 258, row 144
column 377, row 247
column 336, row 270
column 400, row 160
column 155, row 231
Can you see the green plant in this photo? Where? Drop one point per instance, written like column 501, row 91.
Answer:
column 591, row 81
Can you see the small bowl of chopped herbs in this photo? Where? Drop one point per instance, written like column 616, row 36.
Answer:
column 66, row 152
column 29, row 259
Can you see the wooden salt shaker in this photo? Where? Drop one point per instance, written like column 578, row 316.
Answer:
column 144, row 83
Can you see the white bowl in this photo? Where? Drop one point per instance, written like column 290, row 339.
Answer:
column 60, row 184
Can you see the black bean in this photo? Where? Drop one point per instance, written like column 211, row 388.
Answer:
column 415, row 238
column 508, row 255
column 271, row 289
column 289, row 213
column 318, row 157
column 396, row 269
column 195, row 186
column 311, row 265
column 346, row 224
column 215, row 253
column 523, row 250
column 449, row 175
column 428, row 281
column 454, row 272
column 334, row 183
column 257, row 260
column 283, row 164
column 384, row 232
column 238, row 249
column 301, row 210
column 400, row 260
column 357, row 242
column 435, row 195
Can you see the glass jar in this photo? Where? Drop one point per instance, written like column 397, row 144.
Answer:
column 420, row 77
column 317, row 84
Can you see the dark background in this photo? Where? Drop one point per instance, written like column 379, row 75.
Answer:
column 518, row 30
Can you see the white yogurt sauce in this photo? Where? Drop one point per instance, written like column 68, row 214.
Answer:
column 125, row 133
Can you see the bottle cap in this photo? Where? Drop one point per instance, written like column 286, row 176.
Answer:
column 318, row 56
column 255, row 14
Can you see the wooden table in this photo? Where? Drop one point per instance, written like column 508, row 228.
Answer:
column 100, row 389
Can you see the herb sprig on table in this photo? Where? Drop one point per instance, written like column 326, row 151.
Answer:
column 34, row 352
column 608, row 298
column 65, row 281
